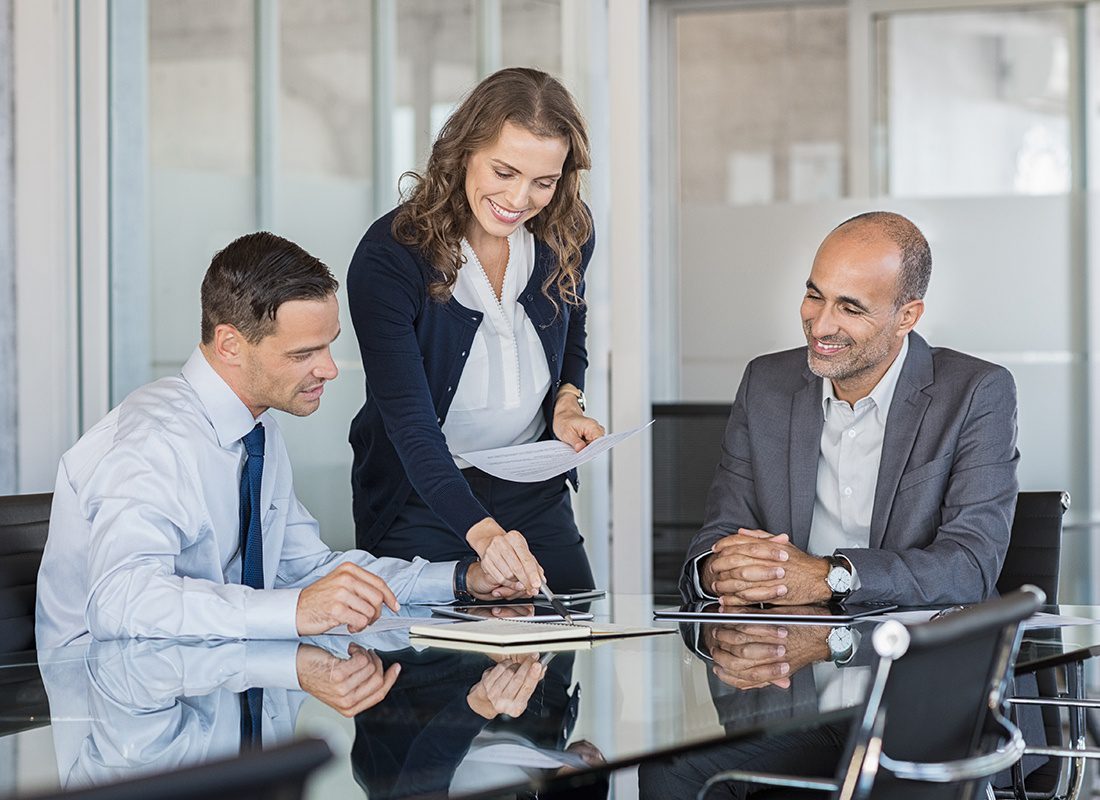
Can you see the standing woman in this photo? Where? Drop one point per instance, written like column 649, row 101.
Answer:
column 468, row 304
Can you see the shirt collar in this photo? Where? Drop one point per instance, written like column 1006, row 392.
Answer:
column 230, row 417
column 883, row 393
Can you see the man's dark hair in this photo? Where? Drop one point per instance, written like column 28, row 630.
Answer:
column 252, row 276
column 916, row 256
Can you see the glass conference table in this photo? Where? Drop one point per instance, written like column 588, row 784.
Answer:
column 458, row 723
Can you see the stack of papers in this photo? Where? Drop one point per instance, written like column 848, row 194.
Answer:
column 525, row 636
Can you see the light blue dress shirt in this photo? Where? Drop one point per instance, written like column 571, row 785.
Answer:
column 144, row 534
column 124, row 709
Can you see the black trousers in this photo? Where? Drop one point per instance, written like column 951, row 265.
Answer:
column 542, row 512
column 809, row 753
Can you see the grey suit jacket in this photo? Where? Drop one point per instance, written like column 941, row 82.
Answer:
column 946, row 487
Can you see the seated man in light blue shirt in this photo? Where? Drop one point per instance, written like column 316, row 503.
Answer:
column 866, row 465
column 175, row 515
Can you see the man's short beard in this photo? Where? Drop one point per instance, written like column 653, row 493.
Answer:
column 845, row 372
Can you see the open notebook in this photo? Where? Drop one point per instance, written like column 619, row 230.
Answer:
column 518, row 632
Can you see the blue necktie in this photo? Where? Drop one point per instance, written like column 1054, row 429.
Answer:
column 252, row 543
column 252, row 570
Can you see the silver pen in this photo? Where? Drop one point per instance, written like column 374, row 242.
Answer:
column 556, row 604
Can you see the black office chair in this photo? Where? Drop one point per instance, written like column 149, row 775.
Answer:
column 1035, row 547
column 278, row 773
column 24, row 522
column 932, row 725
column 1034, row 557
column 687, row 444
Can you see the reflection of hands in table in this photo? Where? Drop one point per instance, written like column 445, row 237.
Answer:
column 752, row 656
column 503, row 612
column 506, row 687
column 586, row 750
column 349, row 685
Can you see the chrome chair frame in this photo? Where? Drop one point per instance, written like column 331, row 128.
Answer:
column 1073, row 700
column 891, row 640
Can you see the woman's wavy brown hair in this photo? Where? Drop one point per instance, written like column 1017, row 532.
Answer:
column 435, row 214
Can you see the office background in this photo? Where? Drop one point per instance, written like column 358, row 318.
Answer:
column 139, row 136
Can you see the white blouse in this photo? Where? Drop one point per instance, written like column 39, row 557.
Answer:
column 498, row 400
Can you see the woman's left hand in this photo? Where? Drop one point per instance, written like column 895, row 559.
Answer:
column 572, row 426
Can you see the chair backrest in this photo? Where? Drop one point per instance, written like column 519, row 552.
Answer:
column 278, row 773
column 1035, row 549
column 24, row 523
column 939, row 696
column 687, row 444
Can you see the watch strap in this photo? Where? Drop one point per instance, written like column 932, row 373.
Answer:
column 840, row 562
column 577, row 393
column 462, row 567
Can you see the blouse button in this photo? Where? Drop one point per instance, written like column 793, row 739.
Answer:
column 463, row 353
column 439, row 420
column 450, row 388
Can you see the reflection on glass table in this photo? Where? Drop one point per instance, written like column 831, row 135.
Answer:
column 403, row 719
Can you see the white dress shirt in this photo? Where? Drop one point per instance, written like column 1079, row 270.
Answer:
column 498, row 400
column 847, row 469
column 144, row 534
column 847, row 464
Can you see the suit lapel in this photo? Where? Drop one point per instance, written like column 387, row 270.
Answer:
column 805, row 445
column 902, row 425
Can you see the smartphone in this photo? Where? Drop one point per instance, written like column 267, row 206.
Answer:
column 574, row 595
column 528, row 612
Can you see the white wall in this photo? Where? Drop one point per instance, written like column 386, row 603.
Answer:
column 1007, row 286
column 8, row 417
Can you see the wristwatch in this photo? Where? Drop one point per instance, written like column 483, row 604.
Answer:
column 839, row 578
column 462, row 567
column 577, row 393
column 842, row 645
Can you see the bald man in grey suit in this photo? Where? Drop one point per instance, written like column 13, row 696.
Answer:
column 866, row 466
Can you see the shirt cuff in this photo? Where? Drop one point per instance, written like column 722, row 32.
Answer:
column 697, row 574
column 435, row 583
column 271, row 614
column 851, row 568
column 271, row 665
column 697, row 639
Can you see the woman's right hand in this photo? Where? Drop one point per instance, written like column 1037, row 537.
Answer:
column 505, row 556
column 507, row 687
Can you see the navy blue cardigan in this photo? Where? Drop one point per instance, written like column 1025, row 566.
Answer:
column 413, row 350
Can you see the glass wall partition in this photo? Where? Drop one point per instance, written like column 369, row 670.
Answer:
column 975, row 132
column 293, row 115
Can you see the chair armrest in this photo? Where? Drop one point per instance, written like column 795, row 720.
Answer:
column 771, row 779
column 966, row 768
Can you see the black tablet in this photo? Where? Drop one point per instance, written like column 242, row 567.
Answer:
column 711, row 611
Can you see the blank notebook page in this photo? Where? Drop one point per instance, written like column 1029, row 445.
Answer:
column 502, row 631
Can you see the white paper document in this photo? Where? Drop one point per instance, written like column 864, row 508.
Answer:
column 519, row 754
column 1038, row 620
column 540, row 461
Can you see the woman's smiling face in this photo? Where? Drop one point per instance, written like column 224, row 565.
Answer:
column 512, row 180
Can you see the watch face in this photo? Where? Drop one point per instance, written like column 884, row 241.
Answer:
column 839, row 579
column 840, row 641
